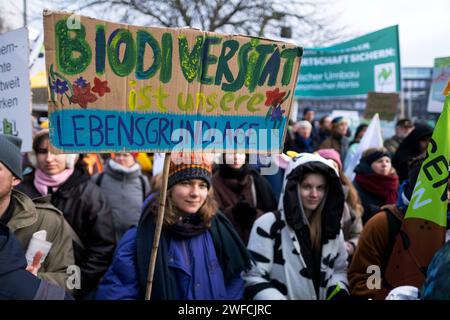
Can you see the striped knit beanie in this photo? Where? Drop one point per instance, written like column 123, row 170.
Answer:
column 191, row 169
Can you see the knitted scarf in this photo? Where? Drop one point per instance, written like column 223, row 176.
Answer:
column 384, row 187
column 42, row 180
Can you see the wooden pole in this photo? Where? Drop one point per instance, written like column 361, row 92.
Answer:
column 159, row 222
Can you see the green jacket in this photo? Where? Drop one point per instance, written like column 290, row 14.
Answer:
column 31, row 216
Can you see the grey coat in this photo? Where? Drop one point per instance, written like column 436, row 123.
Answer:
column 125, row 189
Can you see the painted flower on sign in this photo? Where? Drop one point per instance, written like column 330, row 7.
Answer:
column 274, row 100
column 60, row 86
column 83, row 96
column 274, row 97
column 100, row 87
column 81, row 82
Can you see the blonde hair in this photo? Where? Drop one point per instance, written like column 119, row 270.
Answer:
column 207, row 211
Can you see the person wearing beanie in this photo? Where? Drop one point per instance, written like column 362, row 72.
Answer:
column 337, row 140
column 242, row 193
column 352, row 215
column 299, row 249
column 24, row 217
column 67, row 183
column 200, row 255
column 125, row 188
column 403, row 128
column 376, row 181
column 378, row 237
column 412, row 146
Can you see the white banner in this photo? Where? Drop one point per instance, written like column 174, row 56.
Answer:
column 15, row 103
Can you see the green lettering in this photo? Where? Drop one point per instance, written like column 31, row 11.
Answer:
column 255, row 100
column 222, row 65
column 67, row 43
column 166, row 68
column 254, row 70
column 190, row 62
column 143, row 38
column 211, row 100
column 208, row 58
column 125, row 67
column 289, row 55
column 227, row 97
column 242, row 65
column 187, row 105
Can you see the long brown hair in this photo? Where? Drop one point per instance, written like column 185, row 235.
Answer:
column 171, row 215
column 315, row 219
column 352, row 197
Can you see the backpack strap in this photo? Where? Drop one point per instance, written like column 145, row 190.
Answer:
column 144, row 193
column 98, row 182
column 394, row 225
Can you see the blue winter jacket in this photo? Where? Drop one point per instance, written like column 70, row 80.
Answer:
column 194, row 263
column 15, row 282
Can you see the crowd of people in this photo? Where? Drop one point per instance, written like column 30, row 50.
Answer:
column 228, row 232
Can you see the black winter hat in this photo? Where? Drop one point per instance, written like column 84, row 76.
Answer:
column 10, row 154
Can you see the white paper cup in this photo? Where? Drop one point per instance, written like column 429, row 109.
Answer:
column 38, row 242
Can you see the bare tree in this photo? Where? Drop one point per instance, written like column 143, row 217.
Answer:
column 307, row 20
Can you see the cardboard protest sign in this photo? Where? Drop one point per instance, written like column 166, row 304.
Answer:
column 385, row 104
column 441, row 78
column 116, row 87
column 15, row 98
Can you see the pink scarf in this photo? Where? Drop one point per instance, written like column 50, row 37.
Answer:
column 42, row 180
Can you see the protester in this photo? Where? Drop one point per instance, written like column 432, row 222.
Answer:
column 324, row 129
column 300, row 250
column 25, row 217
column 353, row 210
column 337, row 141
column 376, row 181
column 242, row 193
column 437, row 283
column 377, row 240
column 68, row 185
column 412, row 146
column 200, row 256
column 94, row 163
column 125, row 188
column 403, row 128
column 19, row 281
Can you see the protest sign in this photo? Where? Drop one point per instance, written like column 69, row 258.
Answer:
column 116, row 87
column 440, row 79
column 367, row 63
column 15, row 103
column 385, row 104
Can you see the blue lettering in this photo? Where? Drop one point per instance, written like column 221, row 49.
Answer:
column 76, row 129
column 109, row 128
column 139, row 131
column 97, row 129
column 58, row 128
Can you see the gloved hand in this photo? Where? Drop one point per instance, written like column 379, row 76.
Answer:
column 244, row 213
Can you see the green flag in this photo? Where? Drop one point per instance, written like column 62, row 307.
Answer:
column 423, row 229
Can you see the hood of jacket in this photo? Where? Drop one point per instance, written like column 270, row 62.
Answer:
column 290, row 200
column 119, row 172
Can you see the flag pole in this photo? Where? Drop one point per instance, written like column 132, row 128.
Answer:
column 159, row 222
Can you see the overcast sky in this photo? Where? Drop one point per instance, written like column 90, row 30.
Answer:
column 424, row 26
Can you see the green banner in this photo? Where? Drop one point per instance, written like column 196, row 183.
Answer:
column 429, row 199
column 368, row 63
